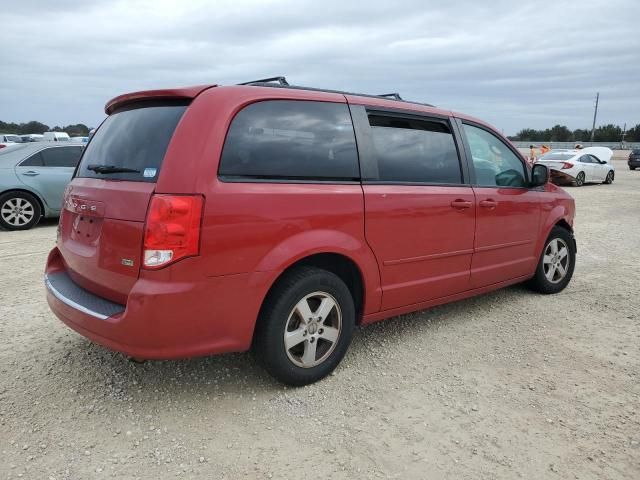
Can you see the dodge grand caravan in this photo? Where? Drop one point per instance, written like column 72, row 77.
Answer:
column 276, row 218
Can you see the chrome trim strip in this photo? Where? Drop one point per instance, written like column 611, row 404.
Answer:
column 70, row 302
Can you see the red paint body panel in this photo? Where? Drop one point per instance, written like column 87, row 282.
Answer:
column 414, row 246
column 506, row 234
column 423, row 244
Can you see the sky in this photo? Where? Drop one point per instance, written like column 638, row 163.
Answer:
column 514, row 64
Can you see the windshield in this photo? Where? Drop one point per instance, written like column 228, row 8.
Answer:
column 130, row 145
column 557, row 156
column 13, row 138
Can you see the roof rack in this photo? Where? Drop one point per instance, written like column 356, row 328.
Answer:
column 395, row 96
column 281, row 82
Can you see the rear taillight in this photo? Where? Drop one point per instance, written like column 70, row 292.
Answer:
column 172, row 230
column 2, row 146
column 567, row 165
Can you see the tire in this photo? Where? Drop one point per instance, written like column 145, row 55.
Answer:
column 19, row 211
column 610, row 178
column 309, row 355
column 632, row 168
column 548, row 278
column 580, row 179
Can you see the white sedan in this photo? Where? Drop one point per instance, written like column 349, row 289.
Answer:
column 587, row 165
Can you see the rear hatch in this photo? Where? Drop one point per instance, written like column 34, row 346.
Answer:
column 105, row 205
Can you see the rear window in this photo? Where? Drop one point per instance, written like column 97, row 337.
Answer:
column 557, row 156
column 291, row 140
column 134, row 139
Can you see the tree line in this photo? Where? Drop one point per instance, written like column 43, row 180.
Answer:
column 77, row 130
column 560, row 133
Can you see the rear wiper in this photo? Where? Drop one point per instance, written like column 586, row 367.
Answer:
column 111, row 169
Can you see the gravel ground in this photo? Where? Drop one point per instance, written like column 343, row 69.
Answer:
column 506, row 385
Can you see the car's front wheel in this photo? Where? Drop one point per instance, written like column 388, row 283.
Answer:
column 609, row 179
column 305, row 326
column 19, row 211
column 556, row 264
column 580, row 179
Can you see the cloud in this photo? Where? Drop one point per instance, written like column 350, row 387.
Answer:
column 515, row 65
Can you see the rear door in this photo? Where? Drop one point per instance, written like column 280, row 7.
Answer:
column 507, row 211
column 588, row 167
column 102, row 223
column 419, row 209
column 600, row 169
column 48, row 172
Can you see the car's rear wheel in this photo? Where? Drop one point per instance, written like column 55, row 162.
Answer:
column 19, row 211
column 580, row 179
column 556, row 264
column 305, row 326
column 632, row 168
column 609, row 179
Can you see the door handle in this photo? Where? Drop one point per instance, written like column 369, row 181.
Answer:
column 489, row 203
column 31, row 173
column 461, row 204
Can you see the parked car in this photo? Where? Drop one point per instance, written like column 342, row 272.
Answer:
column 577, row 167
column 216, row 219
column 32, row 180
column 79, row 139
column 56, row 137
column 7, row 139
column 32, row 137
column 634, row 159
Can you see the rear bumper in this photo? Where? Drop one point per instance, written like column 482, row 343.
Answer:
column 163, row 320
column 635, row 162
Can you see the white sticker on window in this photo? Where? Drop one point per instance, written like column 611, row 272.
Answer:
column 149, row 172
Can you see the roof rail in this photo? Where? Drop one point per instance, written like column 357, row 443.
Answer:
column 281, row 80
column 395, row 96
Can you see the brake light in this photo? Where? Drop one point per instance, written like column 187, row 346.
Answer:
column 172, row 230
column 566, row 165
column 2, row 146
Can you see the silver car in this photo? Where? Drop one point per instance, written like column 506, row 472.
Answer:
column 32, row 180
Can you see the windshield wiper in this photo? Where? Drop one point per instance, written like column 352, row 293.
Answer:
column 111, row 169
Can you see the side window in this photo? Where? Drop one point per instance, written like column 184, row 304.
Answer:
column 414, row 150
column 594, row 159
column 61, row 156
column 494, row 163
column 34, row 160
column 585, row 159
column 288, row 139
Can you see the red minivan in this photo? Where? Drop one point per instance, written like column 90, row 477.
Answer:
column 275, row 218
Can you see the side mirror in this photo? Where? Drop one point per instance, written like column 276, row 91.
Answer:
column 539, row 175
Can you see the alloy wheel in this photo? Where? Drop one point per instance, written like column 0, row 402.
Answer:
column 313, row 329
column 556, row 260
column 17, row 211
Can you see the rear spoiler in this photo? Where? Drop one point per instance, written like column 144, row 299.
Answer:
column 187, row 93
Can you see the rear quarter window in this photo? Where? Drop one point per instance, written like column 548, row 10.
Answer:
column 135, row 139
column 291, row 140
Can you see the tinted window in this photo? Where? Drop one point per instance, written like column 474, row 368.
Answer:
column 557, row 156
column 34, row 160
column 135, row 139
column 411, row 150
column 585, row 159
column 283, row 139
column 61, row 157
column 494, row 163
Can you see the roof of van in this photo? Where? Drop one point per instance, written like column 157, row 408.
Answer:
column 385, row 101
